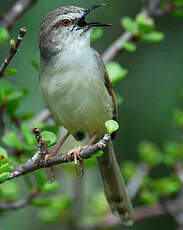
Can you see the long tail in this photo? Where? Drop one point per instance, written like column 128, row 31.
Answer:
column 114, row 186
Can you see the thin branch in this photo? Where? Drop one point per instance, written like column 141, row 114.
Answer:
column 135, row 183
column 31, row 165
column 13, row 51
column 43, row 116
column 3, row 118
column 115, row 47
column 19, row 204
column 140, row 213
column 16, row 12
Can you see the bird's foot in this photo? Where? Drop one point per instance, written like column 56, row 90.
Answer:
column 76, row 153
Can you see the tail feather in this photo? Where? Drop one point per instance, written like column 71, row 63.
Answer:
column 114, row 186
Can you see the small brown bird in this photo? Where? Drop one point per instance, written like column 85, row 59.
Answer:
column 78, row 92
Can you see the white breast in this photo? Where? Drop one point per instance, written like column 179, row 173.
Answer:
column 75, row 92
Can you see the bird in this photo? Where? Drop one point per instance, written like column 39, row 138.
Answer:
column 77, row 90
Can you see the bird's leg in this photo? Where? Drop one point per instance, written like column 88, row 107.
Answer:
column 76, row 154
column 62, row 141
column 48, row 156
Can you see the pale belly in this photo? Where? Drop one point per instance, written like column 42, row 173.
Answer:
column 79, row 103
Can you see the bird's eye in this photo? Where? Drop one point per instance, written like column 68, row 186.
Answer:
column 66, row 22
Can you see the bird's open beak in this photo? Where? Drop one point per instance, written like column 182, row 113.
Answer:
column 83, row 23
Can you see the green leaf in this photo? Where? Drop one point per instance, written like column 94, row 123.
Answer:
column 11, row 96
column 154, row 36
column 116, row 72
column 173, row 152
column 128, row 169
column 60, row 203
column 41, row 179
column 148, row 197
column 167, row 185
column 145, row 23
column 96, row 34
column 12, row 42
column 129, row 46
column 28, row 134
column 178, row 117
column 149, row 153
column 5, row 176
column 5, row 168
column 98, row 153
column 11, row 139
column 3, row 156
column 40, row 202
column 23, row 116
column 130, row 25
column 3, row 35
column 49, row 137
column 5, row 90
column 111, row 126
column 8, row 191
column 9, row 72
column 47, row 187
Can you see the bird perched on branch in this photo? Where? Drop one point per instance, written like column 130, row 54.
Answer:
column 78, row 92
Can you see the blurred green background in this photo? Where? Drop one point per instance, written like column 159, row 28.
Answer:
column 150, row 92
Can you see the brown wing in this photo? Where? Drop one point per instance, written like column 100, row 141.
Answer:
column 109, row 87
column 111, row 92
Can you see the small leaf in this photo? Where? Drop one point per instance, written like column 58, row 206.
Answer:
column 145, row 23
column 23, row 116
column 178, row 117
column 11, row 139
column 149, row 153
column 152, row 37
column 128, row 169
column 5, row 168
column 130, row 25
column 98, row 153
column 28, row 134
column 5, row 176
column 167, row 185
column 9, row 72
column 8, row 191
column 12, row 42
column 116, row 72
column 148, row 197
column 173, row 152
column 96, row 34
column 40, row 202
column 3, row 35
column 111, row 126
column 41, row 179
column 129, row 46
column 49, row 137
column 47, row 187
column 3, row 156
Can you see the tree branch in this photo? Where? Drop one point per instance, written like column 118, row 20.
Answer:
column 140, row 213
column 19, row 204
column 16, row 12
column 13, row 51
column 136, row 181
column 32, row 165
